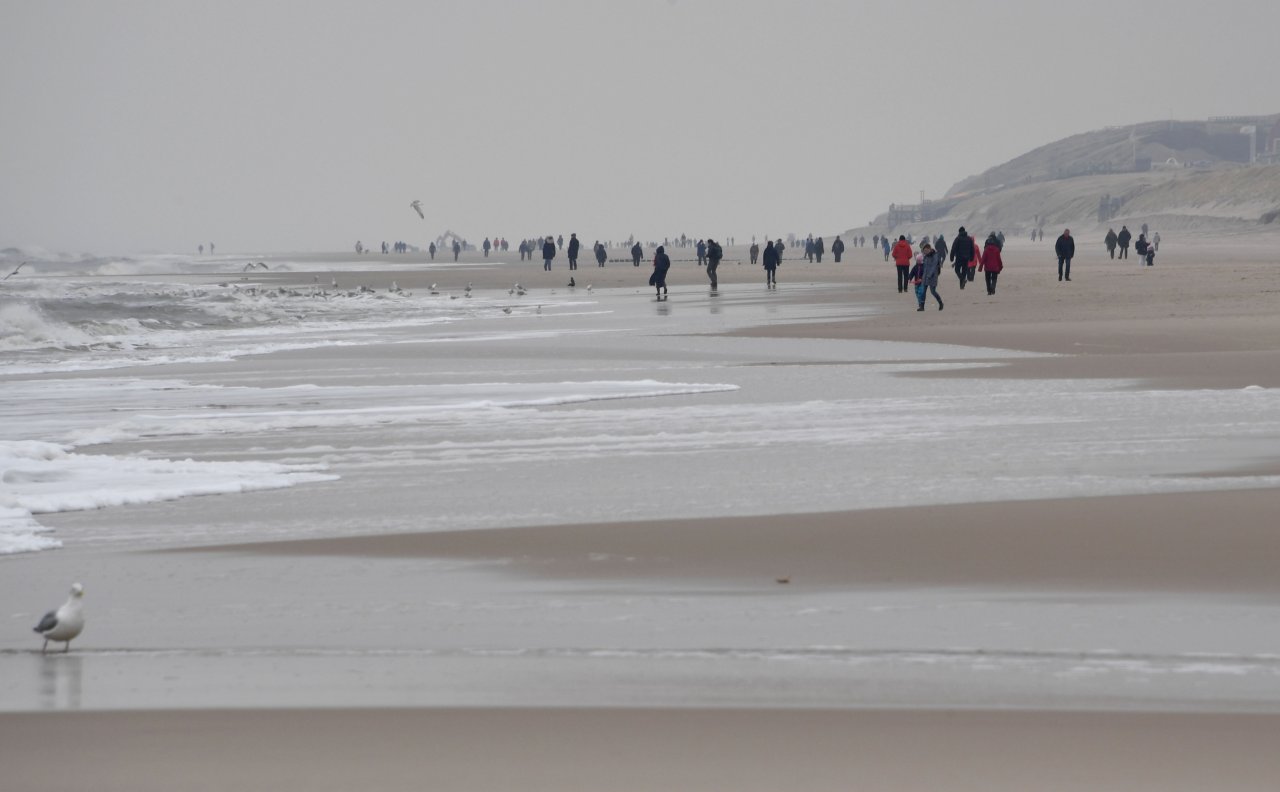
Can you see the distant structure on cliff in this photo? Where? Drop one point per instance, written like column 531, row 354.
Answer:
column 1222, row 168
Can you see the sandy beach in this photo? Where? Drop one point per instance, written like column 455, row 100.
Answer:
column 992, row 640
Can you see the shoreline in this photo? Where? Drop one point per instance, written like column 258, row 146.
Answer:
column 1172, row 542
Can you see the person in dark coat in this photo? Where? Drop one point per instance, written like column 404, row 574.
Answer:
column 992, row 262
column 548, row 253
column 701, row 250
column 1111, row 240
column 714, row 254
column 432, row 250
column 779, row 248
column 573, row 251
column 637, row 253
column 818, row 249
column 1145, row 250
column 1065, row 247
column 661, row 263
column 940, row 245
column 837, row 248
column 927, row 274
column 1123, row 240
column 963, row 252
column 772, row 256
column 457, row 248
column 602, row 254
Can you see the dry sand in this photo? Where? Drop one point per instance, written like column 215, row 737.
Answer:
column 1206, row 317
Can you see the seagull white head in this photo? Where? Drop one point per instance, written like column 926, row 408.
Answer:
column 77, row 590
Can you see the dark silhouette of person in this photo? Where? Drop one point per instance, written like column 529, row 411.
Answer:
column 637, row 253
column 548, row 253
column 661, row 263
column 601, row 254
column 457, row 248
column 837, row 248
column 818, row 249
column 1111, row 240
column 714, row 254
column 1123, row 240
column 432, row 250
column 573, row 251
column 772, row 257
column 1065, row 247
column 486, row 247
column 992, row 262
column 963, row 252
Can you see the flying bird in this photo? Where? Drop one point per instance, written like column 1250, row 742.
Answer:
column 417, row 207
column 15, row 271
column 65, row 623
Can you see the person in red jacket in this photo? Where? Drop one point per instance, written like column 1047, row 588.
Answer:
column 902, row 255
column 990, row 262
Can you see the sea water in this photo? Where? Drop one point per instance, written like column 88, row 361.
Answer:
column 138, row 381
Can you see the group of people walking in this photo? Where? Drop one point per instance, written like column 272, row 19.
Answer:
column 1144, row 247
column 965, row 258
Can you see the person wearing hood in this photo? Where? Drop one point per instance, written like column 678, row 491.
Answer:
column 772, row 255
column 901, row 261
column 940, row 245
column 1065, row 247
column 1111, row 240
column 991, row 262
column 837, row 248
column 573, row 251
column 548, row 253
column 661, row 263
column 818, row 249
column 637, row 253
column 963, row 253
column 925, row 275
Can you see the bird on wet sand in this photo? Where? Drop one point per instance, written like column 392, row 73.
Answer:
column 65, row 623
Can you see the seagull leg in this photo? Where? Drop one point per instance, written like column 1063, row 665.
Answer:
column 45, row 649
column 66, row 648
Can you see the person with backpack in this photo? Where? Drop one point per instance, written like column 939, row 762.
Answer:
column 714, row 254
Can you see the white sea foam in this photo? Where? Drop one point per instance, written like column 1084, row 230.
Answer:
column 43, row 478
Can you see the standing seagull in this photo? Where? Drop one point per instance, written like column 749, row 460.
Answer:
column 65, row 623
column 417, row 207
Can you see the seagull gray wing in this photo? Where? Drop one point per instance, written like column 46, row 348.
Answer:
column 49, row 621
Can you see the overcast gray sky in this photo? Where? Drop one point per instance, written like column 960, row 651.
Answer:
column 273, row 126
